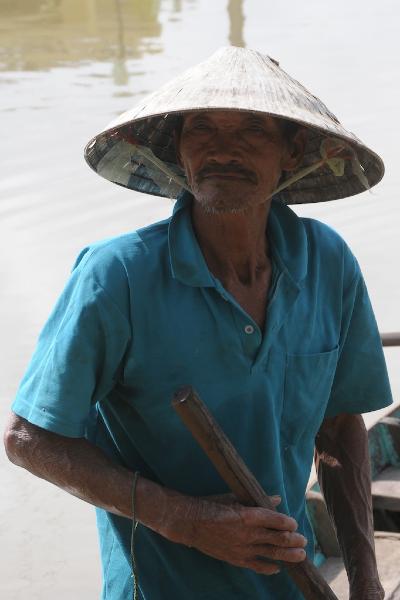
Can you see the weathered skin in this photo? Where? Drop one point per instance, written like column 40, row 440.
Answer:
column 343, row 467
column 233, row 162
column 217, row 526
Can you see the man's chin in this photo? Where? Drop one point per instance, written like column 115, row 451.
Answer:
column 224, row 199
column 219, row 209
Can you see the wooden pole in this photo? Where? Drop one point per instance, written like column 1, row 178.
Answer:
column 390, row 339
column 241, row 481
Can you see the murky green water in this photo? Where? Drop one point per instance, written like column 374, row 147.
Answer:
column 67, row 67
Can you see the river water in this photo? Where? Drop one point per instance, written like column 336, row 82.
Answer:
column 67, row 67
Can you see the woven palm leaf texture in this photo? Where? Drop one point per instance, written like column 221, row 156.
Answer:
column 137, row 150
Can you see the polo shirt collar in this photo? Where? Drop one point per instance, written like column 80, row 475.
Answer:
column 286, row 233
column 187, row 261
column 288, row 241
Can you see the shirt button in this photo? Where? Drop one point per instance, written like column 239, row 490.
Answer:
column 249, row 329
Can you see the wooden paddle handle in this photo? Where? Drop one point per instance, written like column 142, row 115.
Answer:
column 241, row 481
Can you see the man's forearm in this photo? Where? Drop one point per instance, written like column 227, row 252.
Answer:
column 80, row 468
column 343, row 468
column 244, row 536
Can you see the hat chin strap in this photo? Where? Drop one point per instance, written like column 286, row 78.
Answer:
column 331, row 150
column 149, row 155
column 334, row 153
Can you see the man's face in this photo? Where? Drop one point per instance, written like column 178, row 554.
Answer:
column 232, row 160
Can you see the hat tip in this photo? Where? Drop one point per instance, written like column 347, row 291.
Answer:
column 240, row 49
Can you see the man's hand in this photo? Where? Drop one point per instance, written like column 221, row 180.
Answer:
column 243, row 536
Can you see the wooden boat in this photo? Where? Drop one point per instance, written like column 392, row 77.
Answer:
column 384, row 449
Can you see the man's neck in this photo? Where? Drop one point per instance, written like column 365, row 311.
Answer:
column 234, row 245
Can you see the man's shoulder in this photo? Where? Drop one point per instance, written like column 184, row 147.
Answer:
column 126, row 249
column 322, row 234
column 118, row 264
column 328, row 247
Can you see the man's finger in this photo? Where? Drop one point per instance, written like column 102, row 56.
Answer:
column 285, row 539
column 293, row 555
column 275, row 500
column 263, row 517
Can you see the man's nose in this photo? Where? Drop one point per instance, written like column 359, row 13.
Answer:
column 224, row 148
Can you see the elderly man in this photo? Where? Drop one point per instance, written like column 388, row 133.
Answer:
column 264, row 313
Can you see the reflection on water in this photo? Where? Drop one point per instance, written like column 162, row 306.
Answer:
column 42, row 34
column 120, row 72
column 236, row 22
column 37, row 35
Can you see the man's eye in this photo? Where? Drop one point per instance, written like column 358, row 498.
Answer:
column 202, row 126
column 255, row 128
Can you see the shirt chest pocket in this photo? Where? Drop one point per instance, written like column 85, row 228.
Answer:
column 308, row 383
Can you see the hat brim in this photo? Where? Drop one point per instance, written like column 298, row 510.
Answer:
column 234, row 79
column 115, row 158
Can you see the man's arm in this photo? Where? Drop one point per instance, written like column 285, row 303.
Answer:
column 344, row 474
column 243, row 536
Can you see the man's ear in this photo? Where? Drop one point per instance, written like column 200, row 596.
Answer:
column 295, row 150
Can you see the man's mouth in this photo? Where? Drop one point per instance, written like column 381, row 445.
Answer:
column 224, row 176
column 228, row 173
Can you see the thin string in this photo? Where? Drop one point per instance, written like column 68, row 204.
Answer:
column 147, row 154
column 134, row 526
column 331, row 151
column 151, row 157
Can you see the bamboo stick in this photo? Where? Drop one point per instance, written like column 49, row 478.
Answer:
column 241, row 481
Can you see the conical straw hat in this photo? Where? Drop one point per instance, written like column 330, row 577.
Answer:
column 137, row 149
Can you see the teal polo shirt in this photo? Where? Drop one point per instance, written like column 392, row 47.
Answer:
column 142, row 316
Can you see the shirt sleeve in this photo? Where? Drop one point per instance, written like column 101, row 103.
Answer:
column 361, row 382
column 79, row 353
